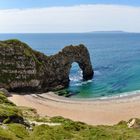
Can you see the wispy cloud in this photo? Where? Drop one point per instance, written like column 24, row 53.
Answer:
column 80, row 18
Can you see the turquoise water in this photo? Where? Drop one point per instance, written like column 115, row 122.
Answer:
column 115, row 58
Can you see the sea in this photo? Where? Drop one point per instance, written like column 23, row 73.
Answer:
column 115, row 58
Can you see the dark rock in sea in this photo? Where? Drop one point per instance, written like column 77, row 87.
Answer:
column 23, row 69
column 66, row 93
column 71, row 94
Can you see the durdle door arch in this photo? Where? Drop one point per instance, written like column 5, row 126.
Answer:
column 60, row 65
column 24, row 69
column 80, row 55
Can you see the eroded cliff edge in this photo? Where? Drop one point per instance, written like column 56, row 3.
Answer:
column 24, row 69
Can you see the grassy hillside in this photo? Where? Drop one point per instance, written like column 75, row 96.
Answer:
column 17, row 123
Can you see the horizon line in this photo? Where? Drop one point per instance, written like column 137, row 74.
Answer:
column 99, row 31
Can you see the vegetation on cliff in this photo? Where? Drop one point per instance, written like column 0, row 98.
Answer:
column 17, row 123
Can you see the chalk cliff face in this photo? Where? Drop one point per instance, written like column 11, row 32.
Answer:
column 23, row 69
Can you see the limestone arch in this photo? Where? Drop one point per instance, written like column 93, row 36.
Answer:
column 80, row 55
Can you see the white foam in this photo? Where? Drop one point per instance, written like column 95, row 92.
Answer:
column 121, row 95
column 76, row 78
column 83, row 83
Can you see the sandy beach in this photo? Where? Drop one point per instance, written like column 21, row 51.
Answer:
column 95, row 112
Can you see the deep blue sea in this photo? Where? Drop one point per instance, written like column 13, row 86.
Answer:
column 114, row 56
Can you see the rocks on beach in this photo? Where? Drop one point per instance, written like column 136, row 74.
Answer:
column 5, row 92
column 134, row 123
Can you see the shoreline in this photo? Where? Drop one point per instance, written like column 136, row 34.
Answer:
column 95, row 112
column 118, row 97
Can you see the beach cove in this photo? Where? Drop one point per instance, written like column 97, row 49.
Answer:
column 95, row 112
column 106, row 99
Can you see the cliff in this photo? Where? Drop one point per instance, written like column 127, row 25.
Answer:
column 23, row 69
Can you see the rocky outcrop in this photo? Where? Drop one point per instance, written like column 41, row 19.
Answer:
column 5, row 92
column 134, row 123
column 23, row 69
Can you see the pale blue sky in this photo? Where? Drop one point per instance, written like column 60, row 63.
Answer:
column 55, row 16
column 46, row 3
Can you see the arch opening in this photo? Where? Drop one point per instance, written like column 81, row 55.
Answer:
column 75, row 74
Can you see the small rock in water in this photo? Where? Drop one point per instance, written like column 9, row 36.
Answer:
column 102, row 95
column 71, row 94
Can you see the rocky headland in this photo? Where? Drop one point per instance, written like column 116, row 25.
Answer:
column 24, row 69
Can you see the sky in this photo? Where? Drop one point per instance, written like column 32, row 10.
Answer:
column 47, row 3
column 65, row 16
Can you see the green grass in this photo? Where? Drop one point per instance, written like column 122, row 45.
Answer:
column 44, row 132
column 9, row 112
column 82, row 131
column 19, row 130
column 13, row 128
column 5, row 134
column 70, row 130
column 4, row 100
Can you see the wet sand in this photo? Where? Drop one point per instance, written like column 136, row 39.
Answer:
column 95, row 112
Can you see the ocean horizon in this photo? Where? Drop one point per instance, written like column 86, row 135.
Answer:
column 114, row 56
